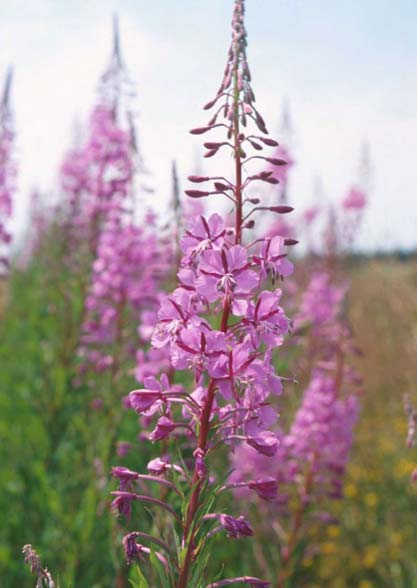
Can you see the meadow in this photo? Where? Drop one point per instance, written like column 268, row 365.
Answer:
column 206, row 396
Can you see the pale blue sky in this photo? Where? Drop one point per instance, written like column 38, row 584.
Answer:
column 347, row 67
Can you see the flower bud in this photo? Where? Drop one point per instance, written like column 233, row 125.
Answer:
column 197, row 193
column 276, row 161
column 268, row 141
column 198, row 179
column 281, row 209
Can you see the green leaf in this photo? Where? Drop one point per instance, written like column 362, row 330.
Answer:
column 137, row 579
column 157, row 565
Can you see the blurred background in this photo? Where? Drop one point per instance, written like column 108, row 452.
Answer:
column 343, row 69
column 336, row 83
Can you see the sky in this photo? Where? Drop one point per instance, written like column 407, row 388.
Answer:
column 347, row 69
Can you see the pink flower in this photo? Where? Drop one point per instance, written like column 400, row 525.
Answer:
column 266, row 319
column 236, row 527
column 226, row 273
column 197, row 349
column 266, row 489
column 146, row 398
column 163, row 429
column 204, row 234
column 232, row 368
column 265, row 443
column 125, row 477
column 355, row 199
column 272, row 259
column 143, row 400
column 176, row 313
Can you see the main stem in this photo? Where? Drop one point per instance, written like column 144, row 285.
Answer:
column 188, row 537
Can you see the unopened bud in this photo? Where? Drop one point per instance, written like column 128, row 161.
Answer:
column 211, row 152
column 281, row 209
column 275, row 161
column 198, row 179
column 197, row 193
column 220, row 187
column 268, row 141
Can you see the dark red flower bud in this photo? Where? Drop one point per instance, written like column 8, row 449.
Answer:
column 211, row 152
column 260, row 123
column 290, row 242
column 220, row 187
column 213, row 145
column 281, row 209
column 255, row 145
column 213, row 120
column 196, row 193
column 198, row 179
column 268, row 141
column 210, row 104
column 199, row 130
column 275, row 161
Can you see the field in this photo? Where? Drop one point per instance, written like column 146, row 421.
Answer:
column 372, row 547
column 215, row 392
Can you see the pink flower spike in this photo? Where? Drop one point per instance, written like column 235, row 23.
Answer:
column 236, row 527
column 266, row 489
column 163, row 429
column 265, row 443
column 143, row 400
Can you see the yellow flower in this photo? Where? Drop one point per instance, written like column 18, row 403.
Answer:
column 370, row 557
column 396, row 538
column 365, row 584
column 328, row 548
column 355, row 471
column 371, row 499
column 351, row 490
column 403, row 468
column 400, row 425
column 333, row 531
column 388, row 445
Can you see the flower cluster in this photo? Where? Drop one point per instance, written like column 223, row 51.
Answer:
column 320, row 308
column 221, row 325
column 123, row 291
column 97, row 174
column 109, row 156
column 411, row 413
column 312, row 456
column 127, row 262
column 7, row 174
column 352, row 207
column 321, row 434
